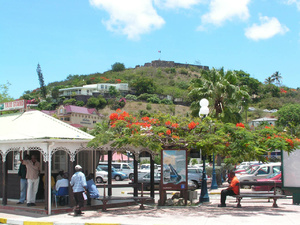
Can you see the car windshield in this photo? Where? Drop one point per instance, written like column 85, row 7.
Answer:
column 274, row 174
column 252, row 169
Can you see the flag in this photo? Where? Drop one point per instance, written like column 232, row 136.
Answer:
column 159, row 51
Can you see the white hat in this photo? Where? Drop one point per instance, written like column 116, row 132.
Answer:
column 78, row 167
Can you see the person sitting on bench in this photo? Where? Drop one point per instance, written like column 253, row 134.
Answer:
column 92, row 191
column 233, row 189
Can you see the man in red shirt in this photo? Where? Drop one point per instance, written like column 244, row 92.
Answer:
column 233, row 189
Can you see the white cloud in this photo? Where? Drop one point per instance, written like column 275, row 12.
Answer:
column 223, row 10
column 130, row 17
column 268, row 28
column 172, row 4
column 290, row 2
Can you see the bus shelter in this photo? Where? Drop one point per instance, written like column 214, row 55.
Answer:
column 58, row 146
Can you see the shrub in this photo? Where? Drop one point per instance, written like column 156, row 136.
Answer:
column 153, row 99
column 148, row 107
column 166, row 101
column 131, row 97
column 183, row 71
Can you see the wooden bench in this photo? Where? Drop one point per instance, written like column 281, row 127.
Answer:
column 141, row 199
column 262, row 195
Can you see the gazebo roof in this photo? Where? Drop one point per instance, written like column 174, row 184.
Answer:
column 37, row 125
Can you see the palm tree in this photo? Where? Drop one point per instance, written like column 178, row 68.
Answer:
column 276, row 77
column 269, row 80
column 222, row 90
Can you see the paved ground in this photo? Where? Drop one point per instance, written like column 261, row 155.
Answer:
column 254, row 211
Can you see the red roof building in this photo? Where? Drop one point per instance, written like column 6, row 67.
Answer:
column 77, row 116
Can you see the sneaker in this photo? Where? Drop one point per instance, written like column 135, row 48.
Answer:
column 222, row 205
column 29, row 204
column 20, row 203
column 33, row 204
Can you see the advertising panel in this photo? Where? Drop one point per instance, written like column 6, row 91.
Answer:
column 15, row 105
column 174, row 170
column 290, row 170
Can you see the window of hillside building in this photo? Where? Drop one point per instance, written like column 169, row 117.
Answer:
column 67, row 118
column 94, row 121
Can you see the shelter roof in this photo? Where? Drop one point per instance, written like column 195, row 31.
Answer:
column 37, row 125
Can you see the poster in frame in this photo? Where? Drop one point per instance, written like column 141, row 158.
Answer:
column 174, row 170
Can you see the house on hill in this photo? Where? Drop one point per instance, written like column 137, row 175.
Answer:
column 77, row 116
column 257, row 122
column 86, row 91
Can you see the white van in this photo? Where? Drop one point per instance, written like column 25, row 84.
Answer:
column 123, row 167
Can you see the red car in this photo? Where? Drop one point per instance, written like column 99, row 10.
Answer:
column 276, row 177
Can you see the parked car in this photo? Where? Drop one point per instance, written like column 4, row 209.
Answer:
column 145, row 178
column 123, row 167
column 117, row 175
column 195, row 175
column 261, row 172
column 276, row 177
column 101, row 175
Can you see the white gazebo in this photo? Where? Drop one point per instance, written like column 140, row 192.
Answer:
column 34, row 131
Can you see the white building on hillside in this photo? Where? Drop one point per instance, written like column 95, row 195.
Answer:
column 92, row 88
column 270, row 121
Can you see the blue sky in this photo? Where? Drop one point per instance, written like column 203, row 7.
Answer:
column 83, row 37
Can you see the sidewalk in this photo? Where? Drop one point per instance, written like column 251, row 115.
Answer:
column 253, row 211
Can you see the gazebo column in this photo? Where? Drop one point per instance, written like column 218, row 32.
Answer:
column 4, row 183
column 151, row 176
column 71, row 169
column 135, row 175
column 109, row 158
column 46, row 194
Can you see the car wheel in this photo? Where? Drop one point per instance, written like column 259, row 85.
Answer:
column 196, row 184
column 99, row 180
column 278, row 191
column 117, row 178
column 130, row 176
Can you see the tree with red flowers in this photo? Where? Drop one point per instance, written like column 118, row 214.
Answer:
column 236, row 142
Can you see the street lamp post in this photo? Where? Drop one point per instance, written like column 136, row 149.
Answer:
column 204, row 110
column 214, row 184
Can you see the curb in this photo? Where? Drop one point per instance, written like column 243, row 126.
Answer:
column 16, row 222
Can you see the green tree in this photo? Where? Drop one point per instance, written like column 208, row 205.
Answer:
column 144, row 85
column 289, row 117
column 98, row 103
column 222, row 90
column 113, row 92
column 41, row 80
column 71, row 101
column 4, row 96
column 118, row 67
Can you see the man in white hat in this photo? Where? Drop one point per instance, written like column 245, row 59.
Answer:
column 78, row 183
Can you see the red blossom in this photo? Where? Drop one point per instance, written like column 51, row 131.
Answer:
column 146, row 118
column 192, row 125
column 175, row 125
column 175, row 137
column 113, row 116
column 240, row 125
column 168, row 123
column 168, row 132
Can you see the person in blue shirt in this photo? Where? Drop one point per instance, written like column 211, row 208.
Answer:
column 79, row 185
column 92, row 191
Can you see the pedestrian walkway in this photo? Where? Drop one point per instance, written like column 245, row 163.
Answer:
column 254, row 211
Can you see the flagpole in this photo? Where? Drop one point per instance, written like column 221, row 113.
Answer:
column 159, row 54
